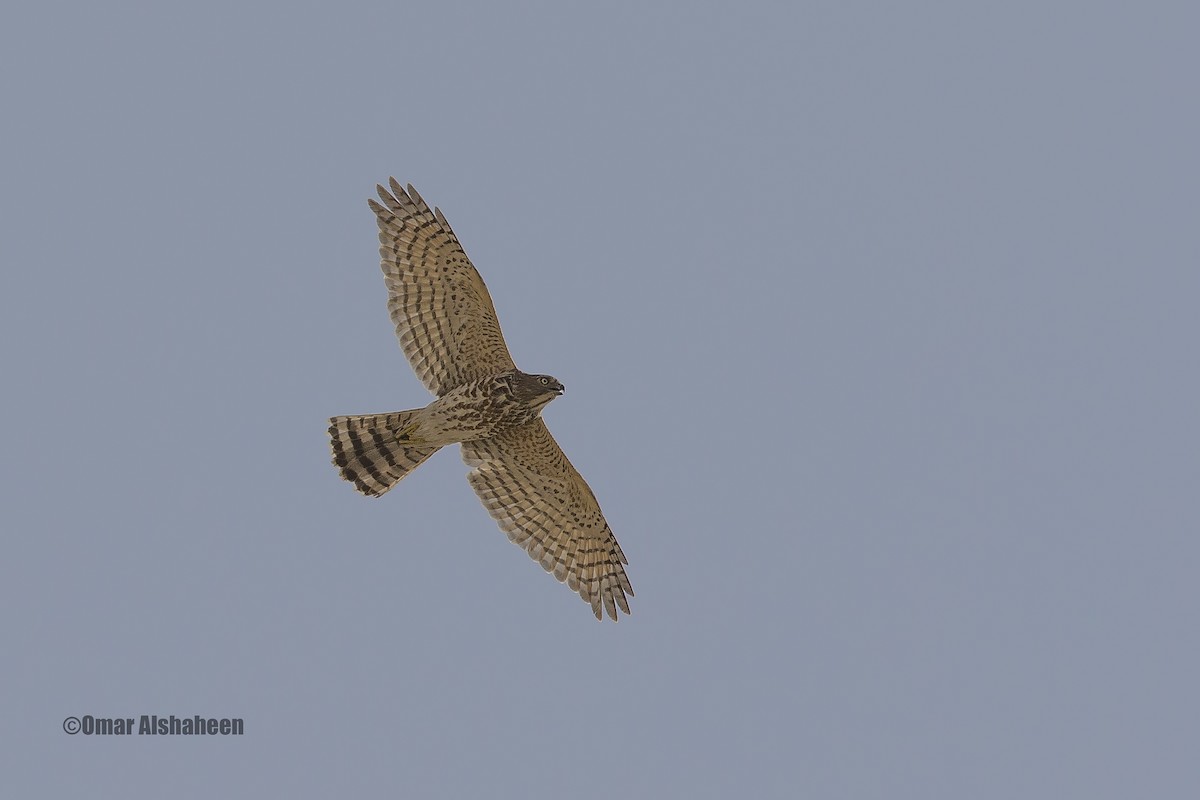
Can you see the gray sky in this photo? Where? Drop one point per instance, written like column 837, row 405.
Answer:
column 878, row 323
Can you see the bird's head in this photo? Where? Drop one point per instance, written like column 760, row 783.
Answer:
column 536, row 390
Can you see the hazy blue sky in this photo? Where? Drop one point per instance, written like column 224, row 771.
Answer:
column 879, row 328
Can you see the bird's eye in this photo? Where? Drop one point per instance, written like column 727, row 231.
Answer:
column 545, row 381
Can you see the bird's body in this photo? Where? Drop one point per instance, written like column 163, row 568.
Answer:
column 477, row 409
column 447, row 327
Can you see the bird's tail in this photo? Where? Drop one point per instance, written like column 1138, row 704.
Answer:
column 370, row 452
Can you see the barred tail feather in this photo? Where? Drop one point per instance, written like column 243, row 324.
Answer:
column 368, row 452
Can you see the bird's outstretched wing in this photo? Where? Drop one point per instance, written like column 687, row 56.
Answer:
column 442, row 311
column 545, row 506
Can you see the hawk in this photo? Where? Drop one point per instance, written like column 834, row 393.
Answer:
column 447, row 327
